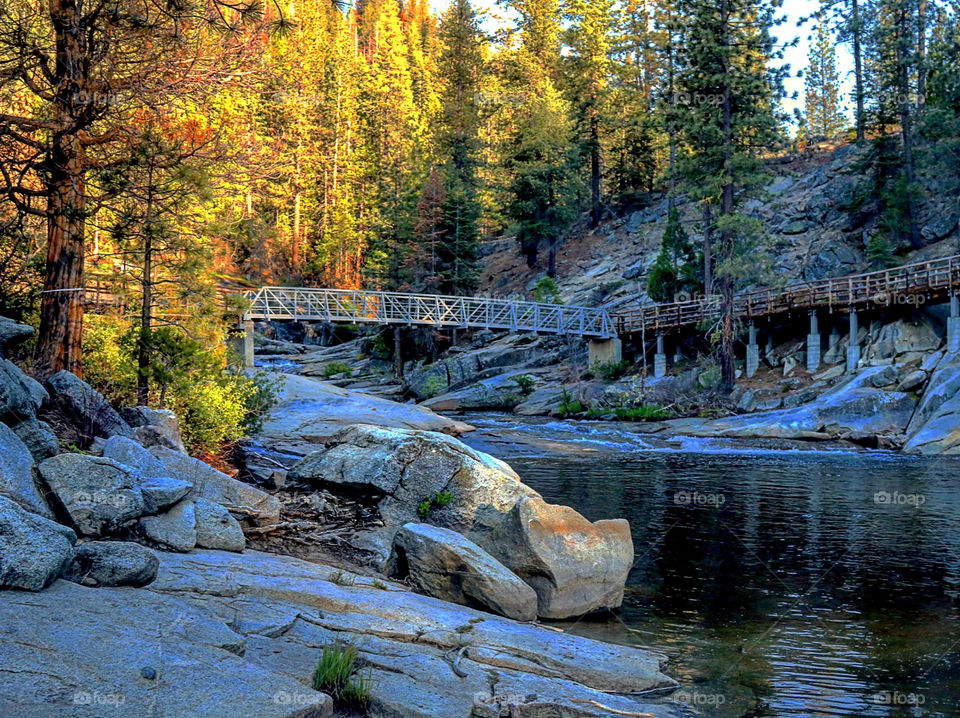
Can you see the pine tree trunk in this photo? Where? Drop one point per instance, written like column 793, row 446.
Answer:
column 922, row 55
column 906, row 131
column 707, row 250
column 594, row 169
column 146, row 318
column 727, row 370
column 61, row 309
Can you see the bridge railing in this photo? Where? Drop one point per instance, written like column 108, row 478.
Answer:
column 358, row 306
column 931, row 279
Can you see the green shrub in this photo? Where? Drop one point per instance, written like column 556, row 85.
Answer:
column 337, row 676
column 647, row 412
column 432, row 386
column 525, row 383
column 568, row 405
column 334, row 368
column 608, row 371
column 547, row 291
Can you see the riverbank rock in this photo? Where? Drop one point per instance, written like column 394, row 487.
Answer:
column 287, row 609
column 902, row 341
column 216, row 528
column 308, row 412
column 575, row 566
column 157, row 484
column 175, row 530
column 38, row 437
column 12, row 333
column 33, row 550
column 402, row 468
column 935, row 425
column 155, row 427
column 99, row 494
column 86, row 408
column 119, row 652
column 443, row 564
column 17, row 481
column 112, row 563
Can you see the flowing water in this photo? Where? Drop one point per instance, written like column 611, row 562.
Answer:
column 778, row 583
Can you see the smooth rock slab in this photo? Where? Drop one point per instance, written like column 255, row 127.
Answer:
column 33, row 550
column 16, row 474
column 443, row 564
column 84, row 653
column 575, row 566
column 112, row 563
column 99, row 494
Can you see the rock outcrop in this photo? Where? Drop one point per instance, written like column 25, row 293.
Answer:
column 154, row 427
column 112, row 563
column 91, row 414
column 575, row 566
column 17, row 480
column 935, row 425
column 441, row 563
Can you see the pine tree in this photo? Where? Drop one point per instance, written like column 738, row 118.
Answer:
column 728, row 95
column 822, row 88
column 674, row 271
column 850, row 20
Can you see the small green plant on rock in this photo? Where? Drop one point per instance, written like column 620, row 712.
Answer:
column 437, row 501
column 337, row 676
column 525, row 383
column 608, row 371
column 547, row 291
column 568, row 405
column 432, row 386
column 334, row 368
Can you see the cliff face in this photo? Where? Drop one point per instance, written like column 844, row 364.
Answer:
column 819, row 215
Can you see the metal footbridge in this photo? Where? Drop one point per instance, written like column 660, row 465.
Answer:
column 434, row 310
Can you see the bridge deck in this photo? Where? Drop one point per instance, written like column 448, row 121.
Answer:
column 910, row 283
column 359, row 306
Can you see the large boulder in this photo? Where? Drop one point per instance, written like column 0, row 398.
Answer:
column 155, row 427
column 33, row 550
column 91, row 414
column 158, row 487
column 99, row 494
column 402, row 468
column 16, row 401
column 575, row 566
column 308, row 412
column 38, row 437
column 17, row 481
column 175, row 530
column 208, row 483
column 112, row 563
column 443, row 564
column 12, row 333
column 903, row 340
column 935, row 425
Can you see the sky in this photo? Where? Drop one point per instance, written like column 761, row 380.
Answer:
column 796, row 57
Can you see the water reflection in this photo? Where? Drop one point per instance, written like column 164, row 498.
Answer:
column 805, row 584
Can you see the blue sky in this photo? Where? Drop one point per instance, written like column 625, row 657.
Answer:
column 796, row 56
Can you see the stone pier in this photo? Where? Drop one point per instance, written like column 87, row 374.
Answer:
column 853, row 344
column 953, row 325
column 753, row 352
column 813, row 344
column 248, row 343
column 604, row 351
column 660, row 359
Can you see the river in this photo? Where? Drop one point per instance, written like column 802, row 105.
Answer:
column 778, row 583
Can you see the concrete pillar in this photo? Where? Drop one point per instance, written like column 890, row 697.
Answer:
column 953, row 325
column 604, row 351
column 248, row 343
column 853, row 344
column 753, row 352
column 660, row 359
column 813, row 344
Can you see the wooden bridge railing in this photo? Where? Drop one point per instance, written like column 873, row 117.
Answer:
column 910, row 283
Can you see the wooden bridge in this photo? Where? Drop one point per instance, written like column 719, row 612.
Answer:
column 919, row 283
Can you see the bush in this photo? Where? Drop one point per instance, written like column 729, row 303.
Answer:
column 608, row 371
column 433, row 386
column 195, row 375
column 525, row 383
column 334, row 368
column 547, row 291
column 337, row 676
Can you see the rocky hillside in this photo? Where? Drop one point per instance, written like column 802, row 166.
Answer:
column 818, row 215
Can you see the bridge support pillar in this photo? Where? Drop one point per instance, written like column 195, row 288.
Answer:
column 853, row 344
column 953, row 325
column 660, row 359
column 753, row 352
column 604, row 351
column 248, row 343
column 813, row 344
